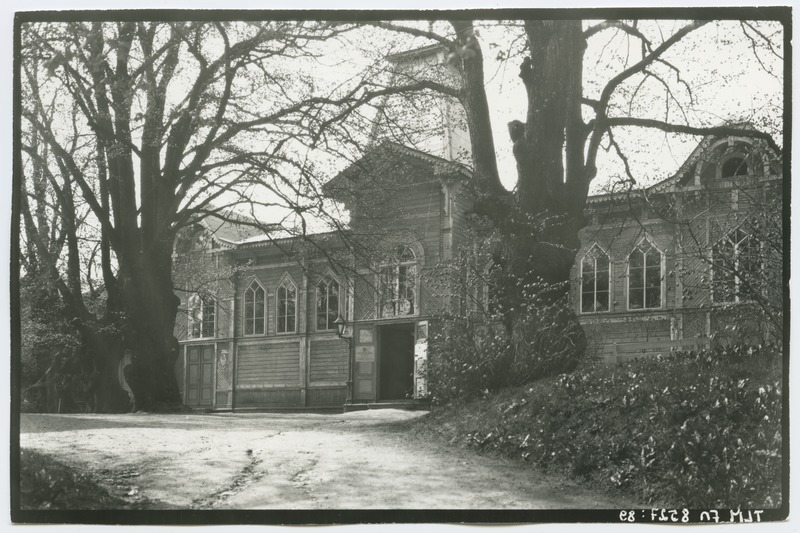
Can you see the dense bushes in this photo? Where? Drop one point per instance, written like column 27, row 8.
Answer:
column 692, row 429
column 472, row 355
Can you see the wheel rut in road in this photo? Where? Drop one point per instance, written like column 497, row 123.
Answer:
column 248, row 475
column 362, row 460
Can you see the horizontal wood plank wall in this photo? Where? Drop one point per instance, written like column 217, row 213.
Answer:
column 269, row 364
column 328, row 361
column 604, row 334
column 268, row 398
column 326, row 396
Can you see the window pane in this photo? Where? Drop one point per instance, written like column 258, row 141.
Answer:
column 735, row 166
column 208, row 319
column 290, row 315
column 322, row 306
column 281, row 318
column 587, row 301
column 636, row 259
column 653, row 297
column 653, row 277
column 635, row 298
column 588, row 283
column 602, row 280
column 602, row 301
column 602, row 262
column 636, row 278
column 587, row 265
column 653, row 258
column 260, row 314
column 333, row 305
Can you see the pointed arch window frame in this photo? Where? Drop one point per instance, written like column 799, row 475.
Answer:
column 283, row 318
column 736, row 259
column 596, row 250
column 328, row 280
column 651, row 245
column 254, row 319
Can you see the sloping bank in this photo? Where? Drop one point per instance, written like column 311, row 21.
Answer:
column 688, row 430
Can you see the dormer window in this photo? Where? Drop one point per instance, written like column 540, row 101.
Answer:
column 734, row 166
column 728, row 160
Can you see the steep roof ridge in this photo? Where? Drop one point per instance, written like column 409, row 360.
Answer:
column 225, row 229
column 441, row 165
column 693, row 157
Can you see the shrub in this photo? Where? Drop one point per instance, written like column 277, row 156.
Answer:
column 47, row 484
column 691, row 429
column 472, row 355
column 469, row 357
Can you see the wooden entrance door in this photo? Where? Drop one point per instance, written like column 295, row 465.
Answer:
column 200, row 375
column 396, row 365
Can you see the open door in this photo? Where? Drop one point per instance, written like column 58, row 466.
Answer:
column 396, row 365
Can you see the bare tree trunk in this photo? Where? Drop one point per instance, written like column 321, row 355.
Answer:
column 146, row 289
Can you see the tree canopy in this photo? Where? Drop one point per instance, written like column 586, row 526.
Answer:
column 131, row 130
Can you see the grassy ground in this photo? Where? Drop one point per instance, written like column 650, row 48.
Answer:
column 691, row 430
column 49, row 484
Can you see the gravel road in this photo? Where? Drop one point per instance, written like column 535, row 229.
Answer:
column 358, row 460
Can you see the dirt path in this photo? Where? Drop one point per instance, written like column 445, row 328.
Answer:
column 360, row 460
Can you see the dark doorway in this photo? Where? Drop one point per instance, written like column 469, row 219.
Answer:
column 396, row 361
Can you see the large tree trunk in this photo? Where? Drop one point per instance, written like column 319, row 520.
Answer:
column 552, row 135
column 146, row 288
column 538, row 226
column 106, row 352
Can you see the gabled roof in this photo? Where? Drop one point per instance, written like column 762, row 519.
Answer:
column 387, row 150
column 670, row 183
column 233, row 228
column 415, row 53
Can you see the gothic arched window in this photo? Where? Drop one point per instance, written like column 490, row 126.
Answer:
column 645, row 272
column 735, row 266
column 286, row 315
column 255, row 309
column 327, row 303
column 595, row 281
